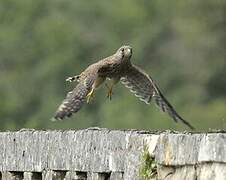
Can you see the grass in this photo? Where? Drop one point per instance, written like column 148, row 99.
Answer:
column 148, row 170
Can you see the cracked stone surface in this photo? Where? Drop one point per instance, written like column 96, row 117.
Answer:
column 97, row 153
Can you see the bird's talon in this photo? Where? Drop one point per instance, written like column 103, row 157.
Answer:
column 109, row 95
column 90, row 96
column 110, row 92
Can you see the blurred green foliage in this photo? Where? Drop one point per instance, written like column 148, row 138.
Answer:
column 181, row 44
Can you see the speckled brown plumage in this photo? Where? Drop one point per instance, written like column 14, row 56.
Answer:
column 117, row 67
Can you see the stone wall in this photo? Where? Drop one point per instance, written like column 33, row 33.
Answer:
column 112, row 154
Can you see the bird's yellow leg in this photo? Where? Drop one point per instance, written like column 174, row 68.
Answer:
column 90, row 96
column 113, row 81
column 110, row 91
column 98, row 81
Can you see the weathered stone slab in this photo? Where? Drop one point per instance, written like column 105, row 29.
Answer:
column 178, row 149
column 116, row 176
column 25, row 150
column 105, row 154
column 190, row 149
column 212, row 148
column 91, row 150
column 177, row 173
column 215, row 171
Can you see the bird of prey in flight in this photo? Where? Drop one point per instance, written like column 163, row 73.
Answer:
column 117, row 67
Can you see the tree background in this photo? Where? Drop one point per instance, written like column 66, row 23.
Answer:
column 181, row 44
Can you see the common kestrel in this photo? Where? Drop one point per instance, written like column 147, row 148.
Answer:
column 117, row 67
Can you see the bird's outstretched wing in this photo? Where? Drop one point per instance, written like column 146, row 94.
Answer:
column 75, row 99
column 142, row 85
column 138, row 83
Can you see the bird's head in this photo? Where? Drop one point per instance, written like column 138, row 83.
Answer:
column 125, row 52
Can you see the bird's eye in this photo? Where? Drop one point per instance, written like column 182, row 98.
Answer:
column 122, row 49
